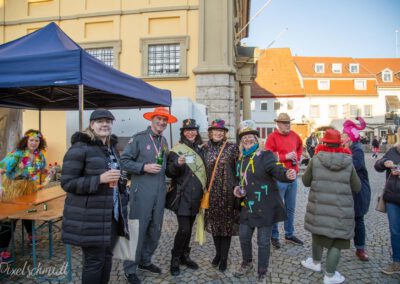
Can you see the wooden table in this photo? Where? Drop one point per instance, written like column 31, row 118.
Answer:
column 54, row 213
column 7, row 209
column 39, row 197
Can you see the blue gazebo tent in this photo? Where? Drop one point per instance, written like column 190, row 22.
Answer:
column 46, row 70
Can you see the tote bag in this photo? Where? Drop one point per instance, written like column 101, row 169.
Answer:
column 125, row 249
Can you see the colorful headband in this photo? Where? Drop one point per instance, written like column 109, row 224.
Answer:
column 33, row 134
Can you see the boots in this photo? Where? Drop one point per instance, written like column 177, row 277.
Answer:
column 186, row 260
column 362, row 255
column 175, row 260
column 217, row 258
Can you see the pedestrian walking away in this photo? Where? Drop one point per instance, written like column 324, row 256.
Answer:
column 351, row 140
column 330, row 209
column 144, row 158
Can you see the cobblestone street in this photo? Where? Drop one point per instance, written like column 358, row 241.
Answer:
column 284, row 263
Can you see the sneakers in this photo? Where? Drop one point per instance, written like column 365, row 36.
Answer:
column 337, row 278
column 309, row 263
column 392, row 268
column 132, row 278
column 360, row 253
column 294, row 240
column 244, row 269
column 275, row 243
column 5, row 257
column 150, row 268
column 261, row 278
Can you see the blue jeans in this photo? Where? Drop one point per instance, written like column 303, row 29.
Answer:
column 393, row 212
column 263, row 242
column 359, row 232
column 288, row 192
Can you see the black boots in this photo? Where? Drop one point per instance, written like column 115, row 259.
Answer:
column 222, row 245
column 174, row 269
column 186, row 260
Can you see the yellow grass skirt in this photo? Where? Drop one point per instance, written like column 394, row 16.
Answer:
column 16, row 188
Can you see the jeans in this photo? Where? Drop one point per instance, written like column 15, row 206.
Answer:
column 97, row 261
column 182, row 237
column 263, row 242
column 288, row 192
column 359, row 233
column 393, row 212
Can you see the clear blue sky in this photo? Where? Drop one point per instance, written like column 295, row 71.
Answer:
column 355, row 28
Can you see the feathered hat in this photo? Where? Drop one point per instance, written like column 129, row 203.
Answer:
column 353, row 130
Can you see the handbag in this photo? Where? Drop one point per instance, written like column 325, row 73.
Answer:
column 174, row 194
column 205, row 201
column 125, row 249
column 380, row 204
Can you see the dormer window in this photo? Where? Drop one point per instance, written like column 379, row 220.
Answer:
column 336, row 68
column 354, row 68
column 319, row 68
column 387, row 76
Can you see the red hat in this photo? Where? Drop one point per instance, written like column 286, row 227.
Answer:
column 161, row 111
column 331, row 136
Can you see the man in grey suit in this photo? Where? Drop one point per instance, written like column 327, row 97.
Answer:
column 144, row 158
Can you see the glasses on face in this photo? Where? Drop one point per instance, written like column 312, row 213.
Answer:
column 191, row 130
column 248, row 139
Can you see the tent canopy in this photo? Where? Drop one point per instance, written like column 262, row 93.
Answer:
column 43, row 70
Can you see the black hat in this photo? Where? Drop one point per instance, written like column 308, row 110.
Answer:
column 101, row 113
column 189, row 124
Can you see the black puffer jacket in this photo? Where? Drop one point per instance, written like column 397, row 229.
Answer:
column 189, row 202
column 392, row 186
column 89, row 205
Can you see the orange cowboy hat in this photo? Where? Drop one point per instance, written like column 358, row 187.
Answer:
column 161, row 111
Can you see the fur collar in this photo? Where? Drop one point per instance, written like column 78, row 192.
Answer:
column 324, row 148
column 83, row 137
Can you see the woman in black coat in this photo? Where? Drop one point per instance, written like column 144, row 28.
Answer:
column 95, row 210
column 185, row 166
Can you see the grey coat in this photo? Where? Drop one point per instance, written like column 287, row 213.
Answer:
column 330, row 208
column 145, row 187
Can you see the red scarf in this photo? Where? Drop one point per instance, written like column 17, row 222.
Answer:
column 324, row 148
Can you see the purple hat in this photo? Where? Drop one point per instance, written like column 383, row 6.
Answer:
column 218, row 124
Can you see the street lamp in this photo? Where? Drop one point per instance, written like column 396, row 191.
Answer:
column 397, row 43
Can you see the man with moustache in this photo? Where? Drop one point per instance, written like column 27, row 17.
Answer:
column 288, row 147
column 144, row 158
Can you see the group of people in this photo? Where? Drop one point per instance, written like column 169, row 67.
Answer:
column 236, row 188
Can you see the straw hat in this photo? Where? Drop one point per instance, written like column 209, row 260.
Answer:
column 283, row 117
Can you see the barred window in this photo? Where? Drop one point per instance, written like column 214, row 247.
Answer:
column 164, row 59
column 104, row 54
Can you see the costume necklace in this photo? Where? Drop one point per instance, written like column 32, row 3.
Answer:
column 243, row 174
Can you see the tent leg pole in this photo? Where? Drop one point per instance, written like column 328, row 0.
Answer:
column 170, row 130
column 40, row 120
column 81, row 97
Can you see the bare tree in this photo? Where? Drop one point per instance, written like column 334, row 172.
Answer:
column 10, row 129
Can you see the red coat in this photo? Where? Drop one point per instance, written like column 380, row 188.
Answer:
column 281, row 144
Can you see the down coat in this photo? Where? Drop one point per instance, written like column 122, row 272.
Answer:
column 330, row 208
column 88, row 209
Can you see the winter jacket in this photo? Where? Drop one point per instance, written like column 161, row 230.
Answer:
column 192, row 191
column 88, row 209
column 392, row 186
column 361, row 199
column 263, row 205
column 330, row 208
column 281, row 144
